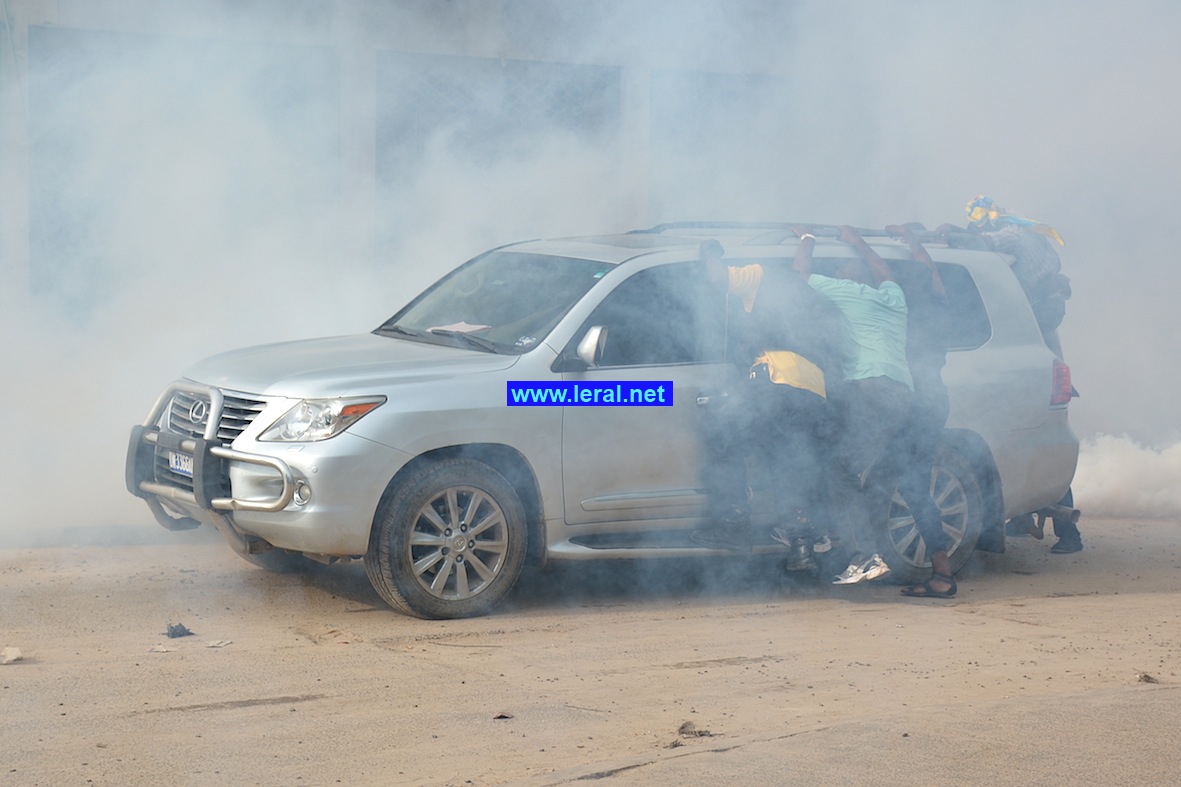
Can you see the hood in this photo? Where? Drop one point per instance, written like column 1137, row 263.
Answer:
column 357, row 365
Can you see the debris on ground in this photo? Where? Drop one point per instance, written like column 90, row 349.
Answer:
column 178, row 630
column 503, row 715
column 218, row 643
column 689, row 730
column 160, row 649
column 1144, row 677
column 10, row 655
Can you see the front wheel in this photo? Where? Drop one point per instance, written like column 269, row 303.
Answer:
column 956, row 491
column 450, row 542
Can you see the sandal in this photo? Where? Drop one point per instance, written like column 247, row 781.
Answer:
column 801, row 528
column 925, row 590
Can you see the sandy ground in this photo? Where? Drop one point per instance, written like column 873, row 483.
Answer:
column 1046, row 669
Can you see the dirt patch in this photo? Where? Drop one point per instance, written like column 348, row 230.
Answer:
column 587, row 669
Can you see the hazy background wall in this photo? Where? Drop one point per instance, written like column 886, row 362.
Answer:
column 184, row 178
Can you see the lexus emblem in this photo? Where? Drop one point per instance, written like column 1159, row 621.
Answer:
column 198, row 412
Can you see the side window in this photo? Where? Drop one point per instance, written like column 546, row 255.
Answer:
column 969, row 326
column 664, row 315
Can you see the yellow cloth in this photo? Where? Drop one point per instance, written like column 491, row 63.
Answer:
column 784, row 367
column 744, row 282
column 984, row 213
column 788, row 368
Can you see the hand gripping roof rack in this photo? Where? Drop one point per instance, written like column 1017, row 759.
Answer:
column 775, row 232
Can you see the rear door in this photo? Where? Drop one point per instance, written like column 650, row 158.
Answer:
column 999, row 369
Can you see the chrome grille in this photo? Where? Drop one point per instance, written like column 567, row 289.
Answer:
column 236, row 414
column 180, row 420
column 189, row 413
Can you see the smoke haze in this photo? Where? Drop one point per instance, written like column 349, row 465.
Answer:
column 200, row 182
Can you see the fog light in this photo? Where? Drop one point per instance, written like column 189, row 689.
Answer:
column 303, row 493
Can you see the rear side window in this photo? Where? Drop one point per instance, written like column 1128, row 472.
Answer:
column 969, row 326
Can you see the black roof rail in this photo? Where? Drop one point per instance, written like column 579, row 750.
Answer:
column 820, row 230
column 921, row 234
column 778, row 231
column 712, row 225
column 961, row 238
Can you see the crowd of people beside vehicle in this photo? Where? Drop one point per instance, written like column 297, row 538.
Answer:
column 843, row 373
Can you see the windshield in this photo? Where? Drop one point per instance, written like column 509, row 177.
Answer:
column 503, row 301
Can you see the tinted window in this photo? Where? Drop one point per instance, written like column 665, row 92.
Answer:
column 665, row 315
column 969, row 326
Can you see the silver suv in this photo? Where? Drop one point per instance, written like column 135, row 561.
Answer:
column 400, row 447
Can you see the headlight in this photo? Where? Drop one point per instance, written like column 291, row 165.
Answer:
column 319, row 419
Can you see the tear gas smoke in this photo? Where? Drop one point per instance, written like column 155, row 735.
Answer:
column 202, row 183
column 1119, row 477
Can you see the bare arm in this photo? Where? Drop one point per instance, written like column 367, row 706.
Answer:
column 877, row 267
column 920, row 254
column 803, row 263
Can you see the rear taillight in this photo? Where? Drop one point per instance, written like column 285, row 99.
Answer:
column 1063, row 390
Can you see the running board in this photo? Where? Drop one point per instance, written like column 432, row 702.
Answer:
column 632, row 548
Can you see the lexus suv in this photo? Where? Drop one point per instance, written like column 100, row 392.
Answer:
column 400, row 447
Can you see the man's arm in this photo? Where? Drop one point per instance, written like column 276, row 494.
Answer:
column 803, row 263
column 877, row 267
column 919, row 253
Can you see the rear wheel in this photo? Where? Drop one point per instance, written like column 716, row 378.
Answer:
column 450, row 542
column 956, row 491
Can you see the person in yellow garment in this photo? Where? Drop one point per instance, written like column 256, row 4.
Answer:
column 784, row 340
column 875, row 394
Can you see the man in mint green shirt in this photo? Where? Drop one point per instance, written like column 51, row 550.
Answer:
column 872, row 399
column 875, row 342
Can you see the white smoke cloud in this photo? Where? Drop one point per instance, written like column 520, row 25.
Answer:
column 222, row 219
column 1119, row 477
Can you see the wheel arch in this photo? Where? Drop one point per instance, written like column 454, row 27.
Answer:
column 505, row 460
column 975, row 450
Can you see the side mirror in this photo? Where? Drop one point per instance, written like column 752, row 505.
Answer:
column 590, row 348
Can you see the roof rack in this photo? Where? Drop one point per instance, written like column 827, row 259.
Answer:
column 820, row 230
column 775, row 232
column 784, row 226
column 672, row 226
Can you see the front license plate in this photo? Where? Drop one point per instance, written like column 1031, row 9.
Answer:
column 180, row 463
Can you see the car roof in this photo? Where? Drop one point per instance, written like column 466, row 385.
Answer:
column 604, row 248
column 684, row 237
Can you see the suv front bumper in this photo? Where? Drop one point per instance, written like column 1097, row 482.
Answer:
column 316, row 498
column 209, row 470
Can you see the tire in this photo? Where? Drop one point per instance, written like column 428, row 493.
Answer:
column 956, row 491
column 280, row 561
column 449, row 543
